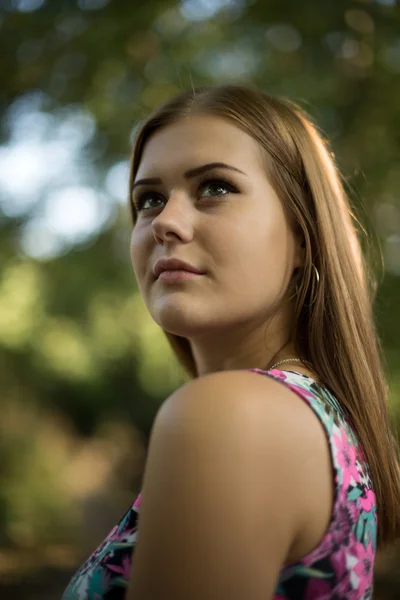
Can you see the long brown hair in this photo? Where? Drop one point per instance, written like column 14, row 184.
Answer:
column 335, row 331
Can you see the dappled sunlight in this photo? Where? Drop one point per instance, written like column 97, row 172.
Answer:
column 21, row 303
column 65, row 349
column 55, row 186
column 112, row 325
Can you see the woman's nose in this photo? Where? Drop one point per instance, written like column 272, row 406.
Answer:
column 175, row 218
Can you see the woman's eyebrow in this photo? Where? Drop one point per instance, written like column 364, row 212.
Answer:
column 190, row 173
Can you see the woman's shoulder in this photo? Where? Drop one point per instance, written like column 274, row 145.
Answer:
column 245, row 389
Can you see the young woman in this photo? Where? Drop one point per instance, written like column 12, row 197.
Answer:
column 273, row 473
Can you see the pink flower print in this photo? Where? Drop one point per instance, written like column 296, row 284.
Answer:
column 297, row 389
column 277, row 373
column 318, row 588
column 300, row 391
column 346, row 456
column 124, row 570
column 138, row 500
column 342, row 532
column 369, row 502
column 363, row 569
column 339, row 561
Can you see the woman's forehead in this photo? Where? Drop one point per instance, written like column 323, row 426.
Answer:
column 198, row 140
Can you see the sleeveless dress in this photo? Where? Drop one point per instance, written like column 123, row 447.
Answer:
column 339, row 568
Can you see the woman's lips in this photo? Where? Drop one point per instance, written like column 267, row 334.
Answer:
column 177, row 275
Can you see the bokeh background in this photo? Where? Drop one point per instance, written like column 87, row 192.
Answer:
column 83, row 368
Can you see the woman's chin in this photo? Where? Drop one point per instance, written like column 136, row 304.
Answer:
column 178, row 321
column 180, row 328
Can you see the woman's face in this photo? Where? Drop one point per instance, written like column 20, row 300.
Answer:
column 226, row 221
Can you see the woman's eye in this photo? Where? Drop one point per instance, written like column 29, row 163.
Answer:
column 142, row 199
column 218, row 188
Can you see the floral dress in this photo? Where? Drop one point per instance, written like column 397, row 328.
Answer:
column 339, row 568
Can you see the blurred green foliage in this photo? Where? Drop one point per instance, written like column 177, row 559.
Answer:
column 77, row 348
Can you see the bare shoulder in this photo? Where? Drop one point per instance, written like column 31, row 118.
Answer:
column 243, row 394
column 223, row 489
column 293, row 440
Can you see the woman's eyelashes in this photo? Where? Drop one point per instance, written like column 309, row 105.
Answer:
column 217, row 183
column 217, row 187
